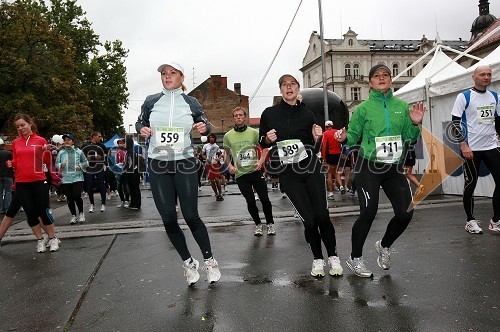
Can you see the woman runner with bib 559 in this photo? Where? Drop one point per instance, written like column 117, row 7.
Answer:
column 167, row 119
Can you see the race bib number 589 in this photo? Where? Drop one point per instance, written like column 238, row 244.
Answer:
column 291, row 151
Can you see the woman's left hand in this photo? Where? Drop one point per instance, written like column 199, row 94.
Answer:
column 417, row 113
column 200, row 127
column 317, row 132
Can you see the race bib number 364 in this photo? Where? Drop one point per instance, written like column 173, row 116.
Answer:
column 247, row 158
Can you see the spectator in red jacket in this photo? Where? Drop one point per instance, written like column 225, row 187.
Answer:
column 330, row 152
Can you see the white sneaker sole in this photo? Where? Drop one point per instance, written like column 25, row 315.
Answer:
column 471, row 231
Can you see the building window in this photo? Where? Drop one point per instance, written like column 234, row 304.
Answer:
column 355, row 93
column 425, row 64
column 347, row 71
column 355, row 70
column 309, row 80
column 409, row 72
column 314, row 50
column 395, row 69
column 350, row 42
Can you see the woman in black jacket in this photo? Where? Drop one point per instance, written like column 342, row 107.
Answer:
column 292, row 132
column 134, row 166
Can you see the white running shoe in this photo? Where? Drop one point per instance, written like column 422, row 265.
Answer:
column 256, row 197
column 270, row 229
column 103, row 208
column 472, row 226
column 384, row 256
column 191, row 272
column 258, row 230
column 121, row 204
column 126, row 205
column 91, row 208
column 494, row 226
column 213, row 272
column 54, row 244
column 358, row 267
column 41, row 245
column 73, row 220
column 335, row 267
column 81, row 217
column 317, row 268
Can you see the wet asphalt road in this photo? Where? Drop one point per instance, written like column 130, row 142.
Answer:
column 441, row 279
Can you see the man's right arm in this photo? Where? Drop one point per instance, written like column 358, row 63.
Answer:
column 456, row 130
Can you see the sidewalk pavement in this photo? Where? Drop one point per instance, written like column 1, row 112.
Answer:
column 119, row 272
column 233, row 208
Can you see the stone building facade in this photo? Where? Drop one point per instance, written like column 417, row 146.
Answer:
column 349, row 60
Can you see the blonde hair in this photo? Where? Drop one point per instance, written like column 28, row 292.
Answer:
column 239, row 108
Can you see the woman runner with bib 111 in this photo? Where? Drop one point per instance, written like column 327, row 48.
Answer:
column 384, row 123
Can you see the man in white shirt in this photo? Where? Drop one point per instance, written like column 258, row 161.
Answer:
column 211, row 153
column 476, row 124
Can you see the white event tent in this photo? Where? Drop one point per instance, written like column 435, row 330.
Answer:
column 437, row 85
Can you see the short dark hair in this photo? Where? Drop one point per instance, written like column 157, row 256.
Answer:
column 212, row 135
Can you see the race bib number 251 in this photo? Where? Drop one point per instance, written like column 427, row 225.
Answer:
column 485, row 114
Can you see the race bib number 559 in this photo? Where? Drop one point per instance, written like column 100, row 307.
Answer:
column 172, row 137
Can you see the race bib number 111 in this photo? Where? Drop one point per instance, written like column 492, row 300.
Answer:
column 389, row 149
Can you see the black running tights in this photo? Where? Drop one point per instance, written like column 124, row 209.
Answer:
column 491, row 159
column 164, row 187
column 368, row 181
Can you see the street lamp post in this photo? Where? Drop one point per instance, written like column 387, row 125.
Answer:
column 129, row 126
column 323, row 69
column 222, row 129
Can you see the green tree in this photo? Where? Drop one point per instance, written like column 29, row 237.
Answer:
column 108, row 89
column 53, row 67
column 38, row 74
column 102, row 74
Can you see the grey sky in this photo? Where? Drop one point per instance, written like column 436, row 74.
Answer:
column 238, row 39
